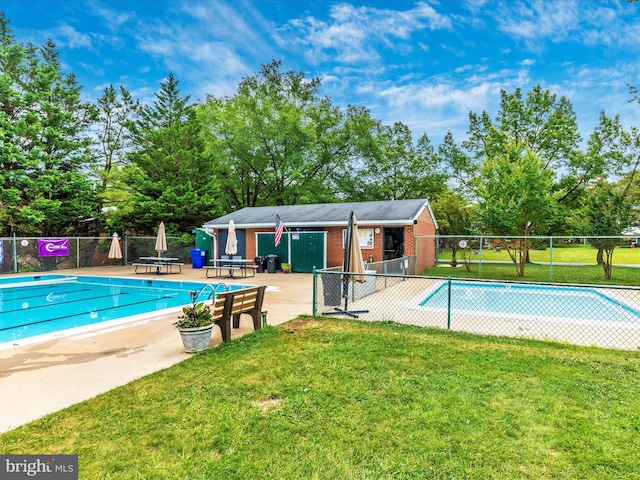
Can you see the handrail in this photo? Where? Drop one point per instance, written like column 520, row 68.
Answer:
column 213, row 290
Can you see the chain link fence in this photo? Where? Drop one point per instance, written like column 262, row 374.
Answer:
column 604, row 316
column 20, row 254
column 480, row 255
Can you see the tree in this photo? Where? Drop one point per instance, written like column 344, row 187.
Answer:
column 277, row 142
column 515, row 199
column 461, row 167
column 171, row 176
column 114, row 114
column 606, row 214
column 397, row 169
column 454, row 216
column 540, row 122
column 44, row 144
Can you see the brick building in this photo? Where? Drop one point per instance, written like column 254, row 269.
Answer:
column 314, row 234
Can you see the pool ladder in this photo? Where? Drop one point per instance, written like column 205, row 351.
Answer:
column 214, row 290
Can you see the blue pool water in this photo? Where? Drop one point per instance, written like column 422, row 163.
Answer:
column 531, row 302
column 43, row 304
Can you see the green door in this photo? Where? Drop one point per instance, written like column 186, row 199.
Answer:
column 307, row 250
column 304, row 250
column 267, row 247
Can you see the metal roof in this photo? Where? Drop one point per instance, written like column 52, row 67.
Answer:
column 393, row 212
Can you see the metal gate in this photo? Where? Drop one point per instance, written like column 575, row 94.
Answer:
column 303, row 250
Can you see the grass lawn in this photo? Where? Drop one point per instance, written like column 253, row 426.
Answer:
column 591, row 275
column 331, row 398
column 560, row 254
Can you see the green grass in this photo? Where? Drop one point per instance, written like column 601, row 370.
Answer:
column 559, row 254
column 330, row 398
column 592, row 274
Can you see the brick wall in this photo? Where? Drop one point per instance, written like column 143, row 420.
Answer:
column 424, row 250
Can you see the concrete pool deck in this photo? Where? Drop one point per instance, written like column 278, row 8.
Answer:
column 42, row 378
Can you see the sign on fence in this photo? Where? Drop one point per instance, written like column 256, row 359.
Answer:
column 53, row 247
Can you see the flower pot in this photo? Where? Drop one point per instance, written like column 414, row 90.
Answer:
column 195, row 339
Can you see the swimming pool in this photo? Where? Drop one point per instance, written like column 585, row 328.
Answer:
column 529, row 302
column 31, row 306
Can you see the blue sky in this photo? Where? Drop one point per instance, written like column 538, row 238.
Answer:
column 426, row 64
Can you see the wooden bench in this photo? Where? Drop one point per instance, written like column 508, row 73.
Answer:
column 230, row 305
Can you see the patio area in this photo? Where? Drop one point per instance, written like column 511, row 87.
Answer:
column 45, row 377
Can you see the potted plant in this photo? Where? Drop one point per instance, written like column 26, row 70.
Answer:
column 195, row 325
column 286, row 267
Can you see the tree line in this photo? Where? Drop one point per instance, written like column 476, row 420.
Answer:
column 71, row 167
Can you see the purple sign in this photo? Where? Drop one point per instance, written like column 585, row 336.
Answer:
column 53, row 247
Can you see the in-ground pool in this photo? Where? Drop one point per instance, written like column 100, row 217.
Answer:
column 529, row 302
column 44, row 304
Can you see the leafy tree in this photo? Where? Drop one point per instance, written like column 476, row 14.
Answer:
column 115, row 112
column 540, row 122
column 277, row 142
column 606, row 214
column 454, row 215
column 461, row 167
column 515, row 199
column 43, row 144
column 607, row 209
column 397, row 169
column 546, row 125
column 171, row 176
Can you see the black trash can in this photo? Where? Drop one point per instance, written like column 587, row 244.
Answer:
column 332, row 289
column 272, row 263
column 198, row 256
column 260, row 262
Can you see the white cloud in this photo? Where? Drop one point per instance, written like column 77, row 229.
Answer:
column 534, row 22
column 112, row 19
column 539, row 21
column 213, row 46
column 353, row 34
column 68, row 36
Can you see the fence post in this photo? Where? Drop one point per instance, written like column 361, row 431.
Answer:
column 449, row 304
column 15, row 254
column 313, row 298
column 480, row 257
column 77, row 252
column 551, row 259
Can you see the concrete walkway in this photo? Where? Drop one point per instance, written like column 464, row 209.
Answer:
column 45, row 377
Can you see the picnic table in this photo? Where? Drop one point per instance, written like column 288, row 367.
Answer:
column 158, row 265
column 225, row 268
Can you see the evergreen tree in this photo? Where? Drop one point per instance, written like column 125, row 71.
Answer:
column 170, row 176
column 44, row 144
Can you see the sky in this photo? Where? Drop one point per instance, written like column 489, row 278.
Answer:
column 426, row 64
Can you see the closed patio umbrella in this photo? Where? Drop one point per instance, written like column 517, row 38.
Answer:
column 115, row 251
column 232, row 242
column 352, row 267
column 353, row 262
column 161, row 240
